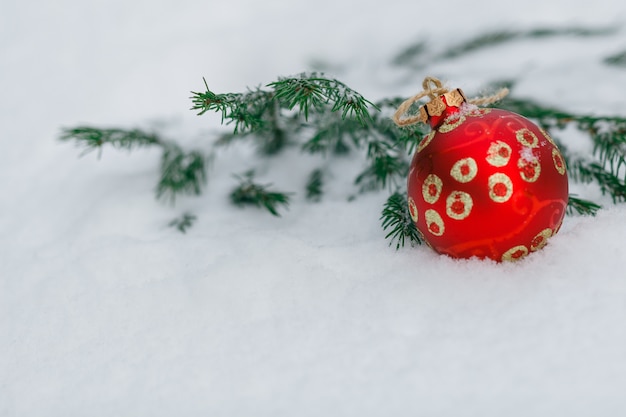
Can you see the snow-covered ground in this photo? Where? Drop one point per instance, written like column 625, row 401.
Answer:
column 104, row 310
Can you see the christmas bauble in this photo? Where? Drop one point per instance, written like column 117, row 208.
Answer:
column 485, row 183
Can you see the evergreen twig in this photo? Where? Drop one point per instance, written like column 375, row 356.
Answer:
column 395, row 217
column 93, row 138
column 581, row 206
column 315, row 185
column 416, row 55
column 181, row 172
column 250, row 193
column 184, row 222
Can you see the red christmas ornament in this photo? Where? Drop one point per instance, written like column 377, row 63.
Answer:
column 485, row 182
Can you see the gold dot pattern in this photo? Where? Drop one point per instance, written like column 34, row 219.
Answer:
column 434, row 222
column 479, row 112
column 559, row 164
column 527, row 138
column 459, row 205
column 426, row 141
column 451, row 124
column 431, row 189
column 500, row 187
column 516, row 253
column 499, row 154
column 529, row 169
column 540, row 240
column 547, row 136
column 413, row 210
column 464, row 170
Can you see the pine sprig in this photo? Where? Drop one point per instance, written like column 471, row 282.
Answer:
column 92, row 138
column 250, row 193
column 315, row 185
column 618, row 59
column 315, row 92
column 593, row 172
column 418, row 54
column 397, row 219
column 386, row 169
column 581, row 206
column 184, row 222
column 181, row 173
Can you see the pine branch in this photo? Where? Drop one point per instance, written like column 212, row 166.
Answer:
column 610, row 147
column 315, row 91
column 386, row 168
column 315, row 185
column 184, row 222
column 93, row 138
column 618, row 60
column 330, row 134
column 247, row 111
column 268, row 114
column 181, row 173
column 581, row 206
column 587, row 172
column 396, row 218
column 250, row 193
column 416, row 55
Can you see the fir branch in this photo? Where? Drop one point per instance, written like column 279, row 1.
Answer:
column 396, row 217
column 482, row 41
column 610, row 147
column 93, row 138
column 268, row 113
column 386, row 167
column 581, row 206
column 546, row 117
column 587, row 172
column 416, row 55
column 315, row 185
column 330, row 133
column 410, row 54
column 247, row 111
column 250, row 193
column 184, row 222
column 313, row 91
column 618, row 60
column 181, row 173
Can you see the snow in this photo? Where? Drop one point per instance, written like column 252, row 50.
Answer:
column 104, row 310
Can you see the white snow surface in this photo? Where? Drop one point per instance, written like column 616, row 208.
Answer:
column 105, row 310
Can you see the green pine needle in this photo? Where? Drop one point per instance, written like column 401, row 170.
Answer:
column 181, row 173
column 397, row 219
column 315, row 185
column 618, row 59
column 250, row 193
column 184, row 222
column 386, row 169
column 93, row 138
column 314, row 91
column 581, row 206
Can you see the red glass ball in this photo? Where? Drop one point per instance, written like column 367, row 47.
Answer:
column 487, row 183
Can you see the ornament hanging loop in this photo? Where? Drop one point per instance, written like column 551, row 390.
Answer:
column 433, row 89
column 433, row 94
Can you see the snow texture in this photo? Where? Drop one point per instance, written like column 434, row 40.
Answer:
column 104, row 310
